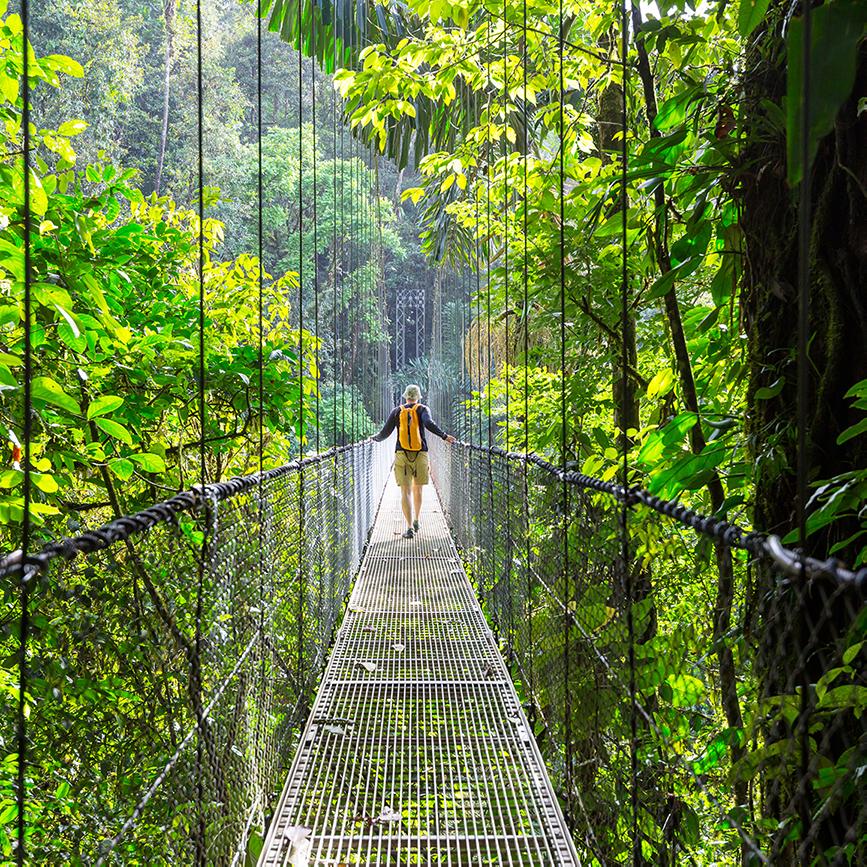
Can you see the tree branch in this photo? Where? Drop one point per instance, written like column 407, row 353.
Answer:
column 585, row 307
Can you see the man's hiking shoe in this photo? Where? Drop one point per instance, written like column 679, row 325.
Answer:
column 415, row 525
column 409, row 533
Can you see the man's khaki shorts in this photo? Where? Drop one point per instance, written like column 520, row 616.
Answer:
column 411, row 467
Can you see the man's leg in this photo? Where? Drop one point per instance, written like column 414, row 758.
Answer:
column 404, row 503
column 417, row 490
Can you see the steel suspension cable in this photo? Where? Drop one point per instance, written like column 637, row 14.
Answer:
column 201, row 843
column 302, row 586
column 628, row 578
column 525, row 281
column 27, row 433
column 563, row 431
column 803, row 380
column 315, row 233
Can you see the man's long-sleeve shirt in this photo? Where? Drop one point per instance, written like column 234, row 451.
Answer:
column 426, row 423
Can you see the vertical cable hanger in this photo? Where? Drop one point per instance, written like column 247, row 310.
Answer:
column 302, row 585
column 803, row 382
column 478, row 294
column 200, row 854
column 335, row 356
column 505, row 213
column 334, row 324
column 260, row 361
column 363, row 259
column 260, row 366
column 624, row 383
column 466, row 289
column 27, row 430
column 351, row 304
column 320, row 541
column 300, row 235
column 315, row 225
column 563, row 434
column 525, row 281
column 380, row 271
column 342, row 351
column 201, row 240
column 373, row 269
column 489, row 165
column 489, row 361
column 804, row 228
column 508, row 352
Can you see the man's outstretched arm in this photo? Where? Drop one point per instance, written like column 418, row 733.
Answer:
column 433, row 427
column 387, row 428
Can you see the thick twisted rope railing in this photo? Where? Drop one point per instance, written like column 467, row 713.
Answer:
column 759, row 545
column 122, row 691
column 656, row 691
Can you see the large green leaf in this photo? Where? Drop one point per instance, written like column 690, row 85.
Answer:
column 150, row 463
column 673, row 111
column 113, row 429
column 837, row 29
column 44, row 388
column 103, row 405
column 343, row 29
column 750, row 14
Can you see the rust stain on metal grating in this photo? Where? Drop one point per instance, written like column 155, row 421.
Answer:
column 416, row 750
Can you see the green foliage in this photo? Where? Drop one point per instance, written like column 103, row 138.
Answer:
column 343, row 417
column 478, row 97
column 843, row 497
column 115, row 313
column 116, row 308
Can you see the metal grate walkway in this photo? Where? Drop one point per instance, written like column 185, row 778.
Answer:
column 417, row 750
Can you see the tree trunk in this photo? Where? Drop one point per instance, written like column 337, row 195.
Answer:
column 169, row 10
column 838, row 299
column 802, row 625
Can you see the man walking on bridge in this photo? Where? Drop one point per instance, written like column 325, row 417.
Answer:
column 411, row 466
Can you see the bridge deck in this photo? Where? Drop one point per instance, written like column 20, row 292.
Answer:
column 417, row 750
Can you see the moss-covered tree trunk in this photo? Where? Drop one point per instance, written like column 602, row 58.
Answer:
column 838, row 323
column 801, row 626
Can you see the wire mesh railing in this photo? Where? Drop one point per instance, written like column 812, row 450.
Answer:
column 173, row 657
column 696, row 701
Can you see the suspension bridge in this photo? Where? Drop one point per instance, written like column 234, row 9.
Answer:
column 466, row 705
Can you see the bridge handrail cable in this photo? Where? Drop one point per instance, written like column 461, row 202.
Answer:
column 122, row 528
column 763, row 546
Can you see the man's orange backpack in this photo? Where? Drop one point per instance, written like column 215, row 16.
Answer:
column 409, row 428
